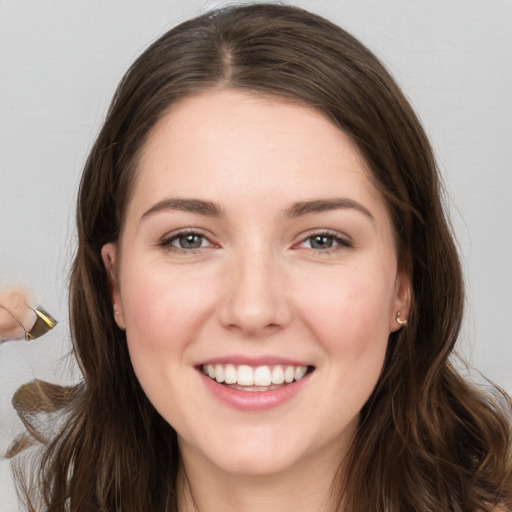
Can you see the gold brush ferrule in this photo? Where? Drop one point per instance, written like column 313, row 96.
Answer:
column 44, row 322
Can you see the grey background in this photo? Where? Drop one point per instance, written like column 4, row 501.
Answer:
column 60, row 62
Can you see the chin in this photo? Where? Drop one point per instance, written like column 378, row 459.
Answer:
column 256, row 463
column 262, row 452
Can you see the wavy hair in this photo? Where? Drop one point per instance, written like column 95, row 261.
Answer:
column 428, row 440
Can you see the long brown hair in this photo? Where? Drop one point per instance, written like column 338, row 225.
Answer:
column 428, row 440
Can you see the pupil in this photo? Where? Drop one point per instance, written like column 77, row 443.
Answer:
column 190, row 241
column 321, row 242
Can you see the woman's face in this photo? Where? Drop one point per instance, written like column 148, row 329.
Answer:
column 255, row 249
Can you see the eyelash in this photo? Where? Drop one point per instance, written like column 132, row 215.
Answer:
column 340, row 243
column 167, row 242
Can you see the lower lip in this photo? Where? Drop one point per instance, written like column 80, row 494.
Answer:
column 254, row 400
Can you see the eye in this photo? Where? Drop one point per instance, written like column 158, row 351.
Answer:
column 321, row 241
column 189, row 241
column 325, row 242
column 186, row 241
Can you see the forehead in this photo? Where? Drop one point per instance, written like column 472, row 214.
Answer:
column 239, row 146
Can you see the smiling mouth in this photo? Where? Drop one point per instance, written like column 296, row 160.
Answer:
column 260, row 378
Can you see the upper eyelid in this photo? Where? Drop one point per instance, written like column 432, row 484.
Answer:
column 326, row 232
column 185, row 231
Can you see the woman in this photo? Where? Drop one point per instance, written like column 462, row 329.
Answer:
column 266, row 291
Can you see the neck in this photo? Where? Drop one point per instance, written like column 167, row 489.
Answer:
column 307, row 487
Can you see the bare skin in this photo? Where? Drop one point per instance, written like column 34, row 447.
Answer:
column 15, row 310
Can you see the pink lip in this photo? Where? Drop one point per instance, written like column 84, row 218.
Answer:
column 254, row 361
column 254, row 400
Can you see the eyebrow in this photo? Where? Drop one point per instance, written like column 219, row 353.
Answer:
column 323, row 205
column 299, row 209
column 206, row 208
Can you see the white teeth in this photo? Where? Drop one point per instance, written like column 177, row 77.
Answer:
column 245, row 375
column 277, row 375
column 219, row 373
column 230, row 374
column 289, row 374
column 260, row 377
column 300, row 371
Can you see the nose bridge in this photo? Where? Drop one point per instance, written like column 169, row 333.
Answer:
column 256, row 299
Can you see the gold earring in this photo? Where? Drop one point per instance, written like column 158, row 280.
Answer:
column 401, row 322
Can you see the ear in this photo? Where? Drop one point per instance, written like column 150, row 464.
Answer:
column 109, row 254
column 401, row 302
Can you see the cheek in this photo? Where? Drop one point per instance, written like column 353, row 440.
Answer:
column 348, row 317
column 161, row 306
column 349, row 313
column 163, row 311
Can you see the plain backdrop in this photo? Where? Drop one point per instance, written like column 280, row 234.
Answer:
column 60, row 62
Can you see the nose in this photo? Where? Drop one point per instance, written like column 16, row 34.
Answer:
column 255, row 299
